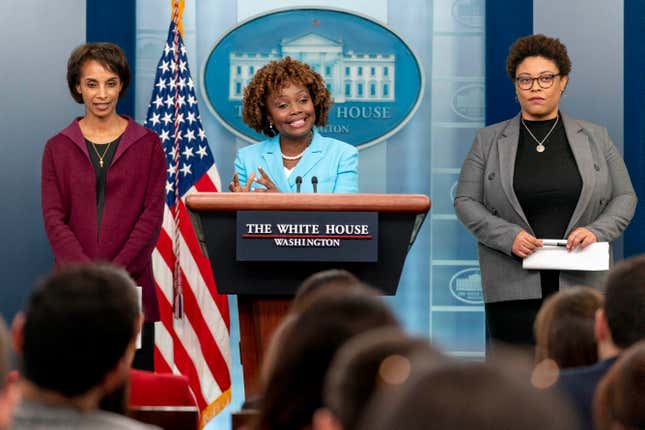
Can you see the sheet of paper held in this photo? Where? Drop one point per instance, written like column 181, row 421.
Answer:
column 556, row 257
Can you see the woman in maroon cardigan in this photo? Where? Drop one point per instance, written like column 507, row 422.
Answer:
column 103, row 178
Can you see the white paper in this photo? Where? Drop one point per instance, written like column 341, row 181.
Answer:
column 594, row 257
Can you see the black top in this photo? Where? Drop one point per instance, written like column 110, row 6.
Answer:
column 547, row 184
column 107, row 153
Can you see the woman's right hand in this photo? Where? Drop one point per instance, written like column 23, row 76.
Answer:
column 236, row 187
column 525, row 244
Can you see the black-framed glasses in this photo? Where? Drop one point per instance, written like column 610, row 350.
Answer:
column 545, row 81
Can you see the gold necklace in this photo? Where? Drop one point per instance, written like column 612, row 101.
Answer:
column 101, row 157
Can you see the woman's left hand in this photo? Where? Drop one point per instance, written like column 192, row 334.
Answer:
column 266, row 181
column 580, row 237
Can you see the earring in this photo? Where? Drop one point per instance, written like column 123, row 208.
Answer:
column 273, row 130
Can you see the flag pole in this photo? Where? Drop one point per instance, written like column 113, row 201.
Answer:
column 178, row 297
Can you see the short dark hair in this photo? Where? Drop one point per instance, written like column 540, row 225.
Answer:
column 109, row 55
column 625, row 302
column 538, row 45
column 78, row 325
column 353, row 376
column 272, row 78
column 564, row 327
column 294, row 385
column 467, row 396
column 620, row 396
column 322, row 283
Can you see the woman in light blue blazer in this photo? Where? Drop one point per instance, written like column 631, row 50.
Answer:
column 285, row 100
column 539, row 175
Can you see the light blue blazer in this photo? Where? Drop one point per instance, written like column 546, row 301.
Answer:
column 333, row 162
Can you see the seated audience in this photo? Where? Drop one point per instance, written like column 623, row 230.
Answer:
column 619, row 324
column 293, row 390
column 333, row 281
column 466, row 396
column 358, row 370
column 9, row 394
column 76, row 341
column 564, row 328
column 619, row 402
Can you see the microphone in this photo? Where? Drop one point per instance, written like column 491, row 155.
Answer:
column 298, row 183
column 314, row 182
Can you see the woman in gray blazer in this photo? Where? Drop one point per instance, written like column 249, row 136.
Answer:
column 541, row 174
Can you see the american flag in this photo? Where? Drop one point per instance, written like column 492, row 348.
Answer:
column 192, row 337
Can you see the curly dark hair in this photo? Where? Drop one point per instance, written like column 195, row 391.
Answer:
column 538, row 45
column 275, row 76
column 109, row 55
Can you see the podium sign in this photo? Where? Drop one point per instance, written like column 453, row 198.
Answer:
column 307, row 236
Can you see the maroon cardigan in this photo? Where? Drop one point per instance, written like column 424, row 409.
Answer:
column 134, row 204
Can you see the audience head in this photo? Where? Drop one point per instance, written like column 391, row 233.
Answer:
column 360, row 368
column 564, row 328
column 466, row 396
column 293, row 389
column 619, row 402
column 8, row 389
column 332, row 281
column 79, row 327
column 625, row 302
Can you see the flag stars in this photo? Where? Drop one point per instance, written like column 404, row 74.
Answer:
column 173, row 66
column 190, row 83
column 169, row 187
column 172, row 169
column 169, row 101
column 191, row 100
column 185, row 169
column 190, row 135
column 164, row 136
column 155, row 119
column 182, row 66
column 167, row 119
column 164, row 66
column 182, row 83
column 166, row 50
column 161, row 84
column 202, row 134
column 158, row 102
column 181, row 101
column 190, row 117
column 202, row 152
column 188, row 152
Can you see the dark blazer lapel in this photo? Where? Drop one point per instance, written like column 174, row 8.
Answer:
column 579, row 143
column 274, row 166
column 507, row 147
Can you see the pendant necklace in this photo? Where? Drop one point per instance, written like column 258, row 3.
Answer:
column 540, row 143
column 101, row 157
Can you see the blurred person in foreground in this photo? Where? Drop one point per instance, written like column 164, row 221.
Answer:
column 286, row 100
column 539, row 175
column 619, row 324
column 619, row 402
column 361, row 368
column 294, row 384
column 9, row 393
column 466, row 396
column 76, row 340
column 564, row 328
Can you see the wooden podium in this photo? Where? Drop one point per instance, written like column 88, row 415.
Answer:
column 264, row 289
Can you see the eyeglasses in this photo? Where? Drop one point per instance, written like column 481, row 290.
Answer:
column 544, row 81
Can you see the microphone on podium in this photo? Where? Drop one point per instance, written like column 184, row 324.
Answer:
column 298, row 183
column 314, row 182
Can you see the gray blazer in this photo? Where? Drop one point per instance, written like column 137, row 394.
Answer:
column 486, row 204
